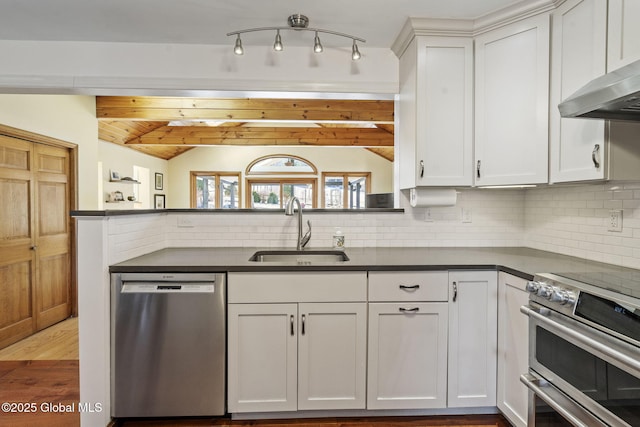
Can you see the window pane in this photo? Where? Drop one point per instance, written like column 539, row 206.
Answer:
column 304, row 193
column 265, row 196
column 357, row 192
column 229, row 192
column 205, row 192
column 283, row 165
column 333, row 192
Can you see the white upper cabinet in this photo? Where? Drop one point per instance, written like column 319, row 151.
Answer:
column 578, row 55
column 511, row 104
column 624, row 33
column 435, row 112
column 590, row 149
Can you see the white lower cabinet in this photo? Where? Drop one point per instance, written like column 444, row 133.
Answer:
column 407, row 340
column 472, row 338
column 287, row 352
column 513, row 348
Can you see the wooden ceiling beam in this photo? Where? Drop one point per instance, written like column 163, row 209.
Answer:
column 170, row 135
column 157, row 108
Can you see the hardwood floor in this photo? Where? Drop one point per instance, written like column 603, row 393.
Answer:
column 434, row 421
column 42, row 371
column 58, row 342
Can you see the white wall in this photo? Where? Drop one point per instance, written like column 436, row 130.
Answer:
column 236, row 159
column 69, row 118
column 155, row 69
column 122, row 160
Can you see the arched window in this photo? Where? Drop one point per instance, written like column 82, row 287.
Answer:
column 276, row 185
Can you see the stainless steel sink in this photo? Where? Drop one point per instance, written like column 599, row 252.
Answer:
column 299, row 257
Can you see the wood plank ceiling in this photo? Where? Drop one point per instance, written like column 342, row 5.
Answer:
column 166, row 127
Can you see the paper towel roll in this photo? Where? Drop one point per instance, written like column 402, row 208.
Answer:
column 427, row 197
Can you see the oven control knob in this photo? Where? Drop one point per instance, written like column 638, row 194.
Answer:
column 545, row 291
column 563, row 296
column 532, row 286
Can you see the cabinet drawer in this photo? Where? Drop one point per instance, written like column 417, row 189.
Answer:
column 262, row 287
column 408, row 286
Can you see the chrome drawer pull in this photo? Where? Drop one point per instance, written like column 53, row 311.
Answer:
column 410, row 288
column 409, row 310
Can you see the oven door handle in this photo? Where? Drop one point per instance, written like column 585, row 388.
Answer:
column 570, row 410
column 624, row 360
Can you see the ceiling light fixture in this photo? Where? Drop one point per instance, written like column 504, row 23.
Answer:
column 297, row 22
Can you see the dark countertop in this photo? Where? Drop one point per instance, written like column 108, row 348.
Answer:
column 522, row 262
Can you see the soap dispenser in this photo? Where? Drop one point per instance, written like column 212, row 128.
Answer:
column 338, row 239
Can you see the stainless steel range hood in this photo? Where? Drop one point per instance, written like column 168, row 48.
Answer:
column 615, row 96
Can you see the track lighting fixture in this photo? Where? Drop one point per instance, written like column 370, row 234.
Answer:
column 297, row 22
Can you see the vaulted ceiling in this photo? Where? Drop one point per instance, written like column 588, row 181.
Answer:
column 166, row 127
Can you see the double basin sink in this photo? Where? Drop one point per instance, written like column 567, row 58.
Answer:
column 300, row 257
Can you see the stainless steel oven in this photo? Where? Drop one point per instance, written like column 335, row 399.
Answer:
column 584, row 354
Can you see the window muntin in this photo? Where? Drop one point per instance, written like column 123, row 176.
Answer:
column 274, row 193
column 215, row 190
column 345, row 190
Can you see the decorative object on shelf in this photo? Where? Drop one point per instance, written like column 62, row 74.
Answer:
column 131, row 198
column 159, row 201
column 114, row 176
column 116, row 196
column 297, row 22
column 159, row 181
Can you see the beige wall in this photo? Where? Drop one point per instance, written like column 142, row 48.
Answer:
column 236, row 159
column 66, row 117
column 122, row 159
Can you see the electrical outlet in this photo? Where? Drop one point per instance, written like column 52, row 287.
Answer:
column 185, row 221
column 615, row 220
column 466, row 215
column 427, row 215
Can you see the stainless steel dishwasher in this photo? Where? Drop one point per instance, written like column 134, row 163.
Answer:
column 168, row 344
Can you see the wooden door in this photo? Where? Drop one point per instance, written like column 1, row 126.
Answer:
column 53, row 272
column 35, row 266
column 17, row 260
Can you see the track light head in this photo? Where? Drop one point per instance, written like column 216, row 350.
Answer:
column 317, row 46
column 237, row 49
column 355, row 53
column 277, row 46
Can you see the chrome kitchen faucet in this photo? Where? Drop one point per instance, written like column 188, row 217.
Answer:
column 302, row 240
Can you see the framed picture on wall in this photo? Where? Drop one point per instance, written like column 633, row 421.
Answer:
column 159, row 181
column 159, row 201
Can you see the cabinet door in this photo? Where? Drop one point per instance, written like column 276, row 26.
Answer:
column 512, row 98
column 623, row 33
column 262, row 354
column 407, row 356
column 473, row 331
column 578, row 55
column 513, row 348
column 332, row 356
column 435, row 112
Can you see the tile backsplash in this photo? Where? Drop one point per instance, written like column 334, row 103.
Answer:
column 570, row 220
column 573, row 220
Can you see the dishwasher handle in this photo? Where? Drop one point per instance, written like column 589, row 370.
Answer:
column 164, row 287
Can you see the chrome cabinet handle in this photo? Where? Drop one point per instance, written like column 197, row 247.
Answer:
column 421, row 168
column 478, row 170
column 291, row 321
column 594, row 153
column 455, row 291
column 304, row 318
column 409, row 288
column 409, row 310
